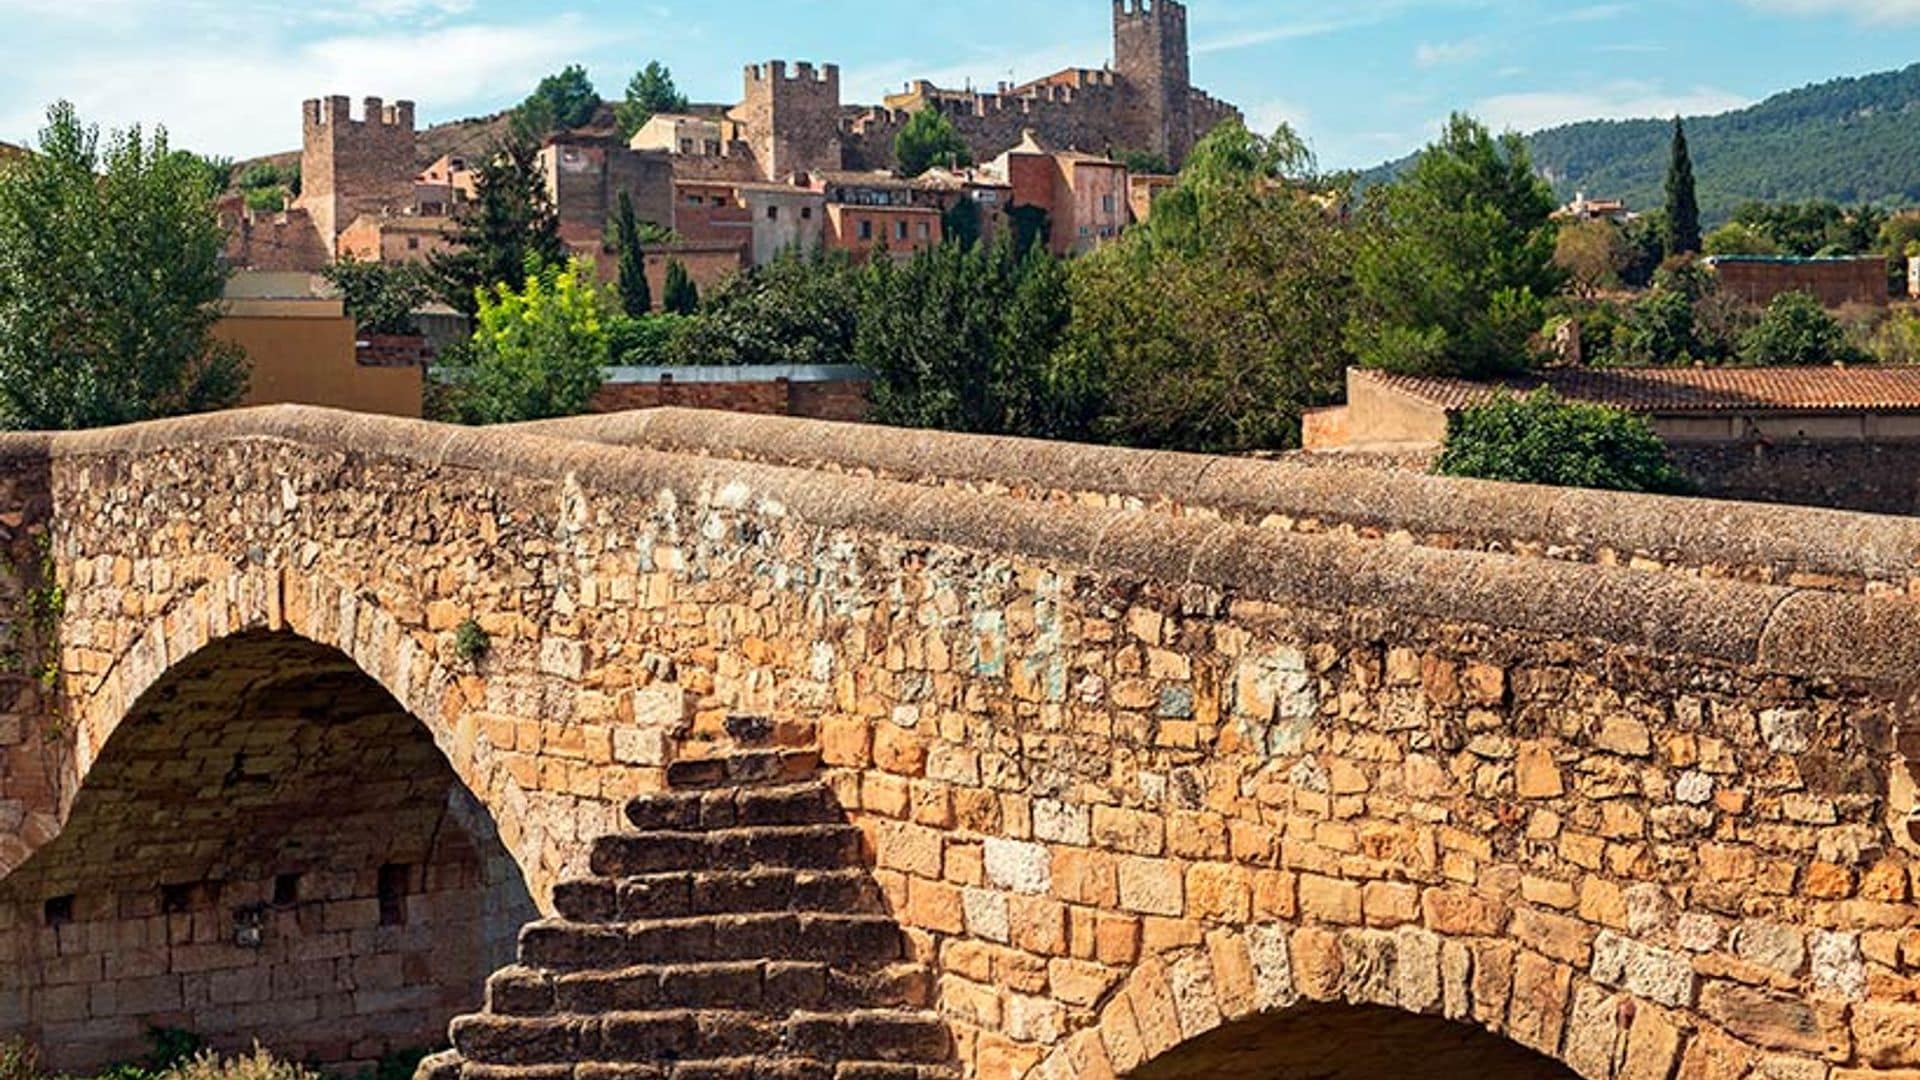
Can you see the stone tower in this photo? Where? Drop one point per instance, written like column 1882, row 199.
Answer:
column 1150, row 56
column 791, row 121
column 352, row 167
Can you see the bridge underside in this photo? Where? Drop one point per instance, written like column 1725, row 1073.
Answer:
column 1338, row 1042
column 269, row 848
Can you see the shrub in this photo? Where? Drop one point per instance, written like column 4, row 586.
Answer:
column 258, row 1065
column 19, row 1060
column 1797, row 331
column 1545, row 439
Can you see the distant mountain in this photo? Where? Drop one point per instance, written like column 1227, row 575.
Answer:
column 1849, row 140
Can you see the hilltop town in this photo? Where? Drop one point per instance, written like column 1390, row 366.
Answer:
column 790, row 166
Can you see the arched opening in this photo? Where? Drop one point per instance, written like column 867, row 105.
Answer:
column 1344, row 1042
column 269, row 847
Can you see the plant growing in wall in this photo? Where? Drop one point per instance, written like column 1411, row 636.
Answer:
column 471, row 643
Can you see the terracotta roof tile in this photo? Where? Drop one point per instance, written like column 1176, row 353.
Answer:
column 1689, row 390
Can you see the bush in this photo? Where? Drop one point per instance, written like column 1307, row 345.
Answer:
column 644, row 342
column 19, row 1060
column 537, row 353
column 1797, row 332
column 1545, row 439
column 259, row 1065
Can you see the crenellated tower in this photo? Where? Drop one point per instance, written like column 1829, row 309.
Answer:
column 791, row 119
column 1151, row 57
column 352, row 167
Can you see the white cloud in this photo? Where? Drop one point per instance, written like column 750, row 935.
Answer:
column 1430, row 54
column 1621, row 100
column 243, row 97
column 1871, row 11
column 1267, row 116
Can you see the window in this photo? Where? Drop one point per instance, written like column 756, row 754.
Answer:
column 1106, row 204
column 413, row 243
column 286, row 890
column 806, row 213
column 866, row 230
column 393, row 895
column 713, row 148
column 900, row 230
column 773, row 213
column 694, row 200
column 925, row 232
column 59, row 911
column 686, row 146
column 176, row 899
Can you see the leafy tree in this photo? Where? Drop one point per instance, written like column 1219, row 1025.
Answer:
column 1658, row 331
column 1900, row 236
column 1683, row 199
column 266, row 186
column 381, row 297
column 1215, row 324
column 111, row 278
column 1592, row 254
column 928, row 139
column 964, row 340
column 1739, row 238
column 798, row 309
column 1144, row 162
column 538, row 350
column 509, row 226
column 562, row 102
column 1456, row 259
column 636, row 296
column 961, row 223
column 1030, row 225
column 1545, row 439
column 678, row 294
column 1797, row 332
column 651, row 91
column 648, row 341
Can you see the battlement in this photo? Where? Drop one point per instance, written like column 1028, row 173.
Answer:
column 1169, row 12
column 775, row 72
column 337, row 111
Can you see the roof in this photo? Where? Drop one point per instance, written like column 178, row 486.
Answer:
column 1687, row 390
column 1793, row 260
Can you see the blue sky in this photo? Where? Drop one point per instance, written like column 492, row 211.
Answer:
column 1364, row 80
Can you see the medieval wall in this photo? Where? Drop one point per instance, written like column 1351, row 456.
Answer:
column 352, row 167
column 1126, row 775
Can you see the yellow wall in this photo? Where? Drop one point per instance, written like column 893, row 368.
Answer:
column 305, row 358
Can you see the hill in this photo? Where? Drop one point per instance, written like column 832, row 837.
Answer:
column 1851, row 140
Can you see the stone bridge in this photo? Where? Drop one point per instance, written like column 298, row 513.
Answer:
column 697, row 746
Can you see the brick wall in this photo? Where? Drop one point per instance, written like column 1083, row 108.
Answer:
column 837, row 399
column 1834, row 282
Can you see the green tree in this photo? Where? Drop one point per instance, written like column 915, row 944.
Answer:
column 1456, row 260
column 650, row 91
column 1592, row 254
column 678, row 294
column 961, row 222
column 562, row 102
column 1658, row 331
column 509, row 225
column 1144, row 162
column 1545, row 439
column 538, row 351
column 381, row 297
column 798, row 309
column 1645, row 239
column 1739, row 238
column 964, row 340
column 1214, row 325
column 111, row 278
column 1797, row 332
column 928, row 139
column 636, row 296
column 649, row 341
column 1683, row 199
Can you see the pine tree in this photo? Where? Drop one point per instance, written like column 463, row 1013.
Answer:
column 679, row 296
column 1683, row 202
column 636, row 296
column 509, row 225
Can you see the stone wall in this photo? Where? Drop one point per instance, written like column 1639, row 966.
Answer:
column 831, row 399
column 1875, row 476
column 1127, row 776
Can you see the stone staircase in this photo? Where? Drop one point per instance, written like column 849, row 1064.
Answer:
column 734, row 933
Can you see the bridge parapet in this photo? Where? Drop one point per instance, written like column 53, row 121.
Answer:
column 1125, row 777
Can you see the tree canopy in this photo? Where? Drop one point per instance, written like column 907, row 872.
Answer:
column 111, row 279
column 538, row 351
column 928, row 139
column 1545, row 439
column 381, row 297
column 1456, row 259
column 563, row 101
column 1683, row 198
column 509, row 226
column 651, row 91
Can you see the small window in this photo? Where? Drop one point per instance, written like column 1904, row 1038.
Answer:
column 866, row 230
column 1106, row 204
column 925, row 232
column 59, row 911
column 900, row 230
column 693, row 200
column 176, row 899
column 713, row 148
column 773, row 213
column 686, row 146
column 286, row 890
column 393, row 895
column 806, row 213
column 413, row 243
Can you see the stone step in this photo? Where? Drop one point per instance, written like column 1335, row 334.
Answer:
column 881, row 1037
column 686, row 893
column 800, row 847
column 690, row 811
column 772, row 988
column 853, row 941
column 747, row 767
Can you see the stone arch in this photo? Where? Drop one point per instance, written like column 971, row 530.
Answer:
column 1201, row 1010
column 267, row 843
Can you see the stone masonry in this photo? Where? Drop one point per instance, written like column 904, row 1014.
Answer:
column 1134, row 760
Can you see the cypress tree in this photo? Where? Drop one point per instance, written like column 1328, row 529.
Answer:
column 679, row 295
column 1683, row 202
column 636, row 296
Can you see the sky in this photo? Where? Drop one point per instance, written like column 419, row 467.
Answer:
column 1364, row 80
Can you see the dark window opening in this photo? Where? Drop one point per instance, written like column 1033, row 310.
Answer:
column 286, row 890
column 393, row 895
column 59, row 911
column 175, row 899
